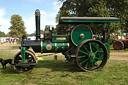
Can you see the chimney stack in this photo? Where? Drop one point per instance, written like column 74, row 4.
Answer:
column 37, row 20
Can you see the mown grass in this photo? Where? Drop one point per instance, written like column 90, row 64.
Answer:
column 118, row 51
column 57, row 72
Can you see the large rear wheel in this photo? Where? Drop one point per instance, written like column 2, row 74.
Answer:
column 91, row 55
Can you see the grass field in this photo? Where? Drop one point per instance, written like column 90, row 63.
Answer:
column 57, row 72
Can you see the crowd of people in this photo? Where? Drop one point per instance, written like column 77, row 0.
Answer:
column 9, row 40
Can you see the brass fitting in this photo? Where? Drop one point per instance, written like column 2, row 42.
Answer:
column 81, row 35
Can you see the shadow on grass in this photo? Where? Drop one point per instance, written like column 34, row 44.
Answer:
column 8, row 70
column 58, row 65
column 54, row 65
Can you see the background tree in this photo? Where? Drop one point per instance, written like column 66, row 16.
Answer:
column 33, row 34
column 17, row 29
column 65, row 12
column 2, row 34
column 119, row 9
column 96, row 8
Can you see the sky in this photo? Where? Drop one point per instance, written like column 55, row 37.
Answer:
column 26, row 9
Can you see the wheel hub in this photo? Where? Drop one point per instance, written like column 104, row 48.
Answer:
column 92, row 55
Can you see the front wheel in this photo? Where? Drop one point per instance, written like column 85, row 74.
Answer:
column 91, row 55
column 26, row 67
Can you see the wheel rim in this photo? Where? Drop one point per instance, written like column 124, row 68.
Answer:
column 30, row 58
column 91, row 55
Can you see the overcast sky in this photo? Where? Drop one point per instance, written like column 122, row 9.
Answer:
column 26, row 9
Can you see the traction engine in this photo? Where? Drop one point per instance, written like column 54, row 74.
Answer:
column 90, row 53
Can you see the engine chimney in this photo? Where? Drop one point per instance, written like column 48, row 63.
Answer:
column 37, row 20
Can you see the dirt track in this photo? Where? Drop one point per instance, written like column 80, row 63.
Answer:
column 119, row 56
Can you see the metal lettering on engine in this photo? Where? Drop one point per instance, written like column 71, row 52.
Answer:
column 61, row 38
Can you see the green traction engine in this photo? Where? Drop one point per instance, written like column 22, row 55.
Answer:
column 89, row 52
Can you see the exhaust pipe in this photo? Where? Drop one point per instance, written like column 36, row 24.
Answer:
column 37, row 20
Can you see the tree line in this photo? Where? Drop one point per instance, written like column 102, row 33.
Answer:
column 95, row 8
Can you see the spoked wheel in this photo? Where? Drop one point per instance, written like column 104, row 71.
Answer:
column 91, row 55
column 26, row 67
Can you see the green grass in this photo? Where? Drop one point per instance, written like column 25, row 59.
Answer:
column 118, row 51
column 57, row 72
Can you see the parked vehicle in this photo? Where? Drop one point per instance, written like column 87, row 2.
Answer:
column 120, row 44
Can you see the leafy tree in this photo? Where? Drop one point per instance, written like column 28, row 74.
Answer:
column 96, row 8
column 119, row 9
column 65, row 11
column 2, row 34
column 33, row 34
column 17, row 29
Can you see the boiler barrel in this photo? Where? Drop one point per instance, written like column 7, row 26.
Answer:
column 54, row 47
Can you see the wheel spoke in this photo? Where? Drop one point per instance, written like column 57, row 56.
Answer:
column 98, row 50
column 20, row 57
column 83, row 52
column 86, row 65
column 101, row 53
column 94, row 46
column 92, row 60
column 84, row 61
column 86, row 49
column 92, row 65
column 90, row 47
column 29, row 59
column 98, row 58
column 81, row 56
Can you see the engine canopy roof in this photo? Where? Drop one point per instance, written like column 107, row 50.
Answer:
column 86, row 20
